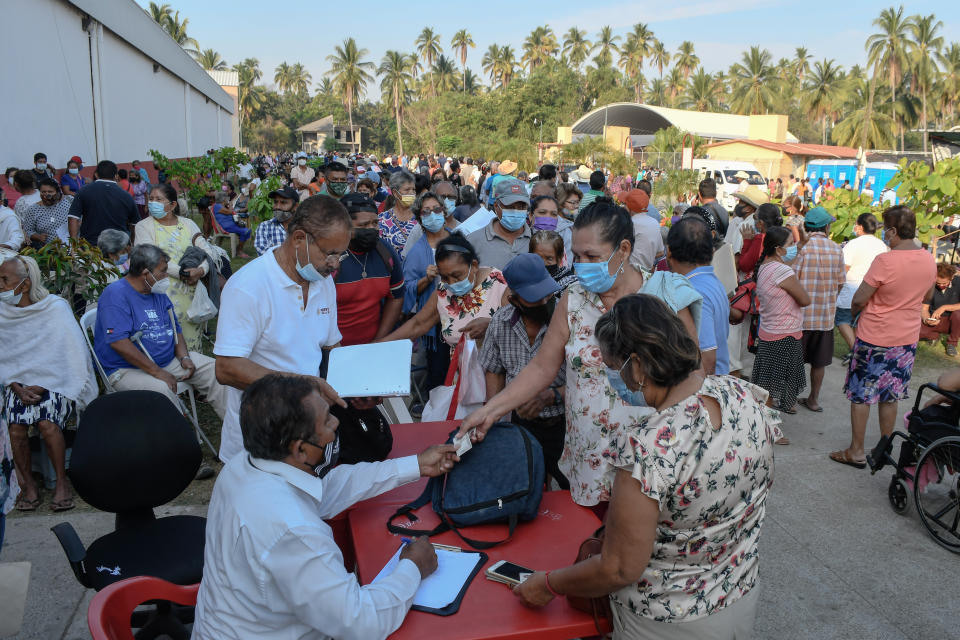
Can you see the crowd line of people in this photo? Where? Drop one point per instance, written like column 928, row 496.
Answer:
column 618, row 342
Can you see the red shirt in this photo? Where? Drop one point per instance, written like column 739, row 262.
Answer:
column 360, row 299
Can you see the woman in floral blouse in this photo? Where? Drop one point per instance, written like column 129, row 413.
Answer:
column 680, row 550
column 466, row 299
column 602, row 243
column 395, row 224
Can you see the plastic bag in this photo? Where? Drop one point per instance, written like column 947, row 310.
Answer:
column 448, row 402
column 201, row 307
column 473, row 384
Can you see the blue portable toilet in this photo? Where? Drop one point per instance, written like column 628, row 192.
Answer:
column 845, row 170
column 878, row 174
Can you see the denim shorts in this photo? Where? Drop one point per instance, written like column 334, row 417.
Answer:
column 843, row 316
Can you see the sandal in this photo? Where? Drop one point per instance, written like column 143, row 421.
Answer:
column 804, row 402
column 23, row 504
column 62, row 505
column 790, row 410
column 784, row 440
column 843, row 458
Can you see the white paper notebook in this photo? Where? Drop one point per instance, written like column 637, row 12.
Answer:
column 380, row 369
column 442, row 586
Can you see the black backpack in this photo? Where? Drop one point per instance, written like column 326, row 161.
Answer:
column 365, row 436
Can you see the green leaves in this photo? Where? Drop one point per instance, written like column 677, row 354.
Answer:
column 196, row 177
column 73, row 268
column 931, row 194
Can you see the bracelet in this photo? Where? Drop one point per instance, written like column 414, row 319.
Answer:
column 186, row 357
column 546, row 581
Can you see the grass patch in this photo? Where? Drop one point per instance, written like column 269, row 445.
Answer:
column 931, row 359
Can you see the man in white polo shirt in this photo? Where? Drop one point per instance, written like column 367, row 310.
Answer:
column 279, row 312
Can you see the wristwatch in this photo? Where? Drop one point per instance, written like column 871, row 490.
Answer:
column 186, row 357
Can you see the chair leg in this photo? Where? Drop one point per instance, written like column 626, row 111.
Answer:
column 233, row 245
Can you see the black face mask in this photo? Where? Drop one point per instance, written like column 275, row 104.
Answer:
column 364, row 240
column 738, row 211
column 539, row 314
column 553, row 270
column 331, row 453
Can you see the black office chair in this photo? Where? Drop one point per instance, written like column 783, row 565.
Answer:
column 133, row 452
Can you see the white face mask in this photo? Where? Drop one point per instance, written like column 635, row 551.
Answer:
column 159, row 287
column 11, row 298
column 41, row 166
column 302, row 162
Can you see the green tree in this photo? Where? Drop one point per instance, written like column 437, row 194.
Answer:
column 657, row 92
column 281, row 77
column 676, row 84
column 605, row 47
column 820, row 92
column 349, row 72
column 211, row 60
column 300, row 79
column 686, row 59
column 161, row 13
column 801, row 63
column 462, row 40
column 660, row 56
column 924, row 48
column 752, row 79
column 887, row 49
column 428, row 47
column 177, row 29
column 576, row 47
column 471, row 83
column 396, row 81
column 489, row 62
column 443, row 74
column 539, row 46
column 701, row 94
column 949, row 60
column 637, row 47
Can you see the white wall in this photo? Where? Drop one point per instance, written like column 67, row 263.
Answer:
column 52, row 108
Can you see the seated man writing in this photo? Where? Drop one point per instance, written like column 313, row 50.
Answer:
column 271, row 566
column 138, row 340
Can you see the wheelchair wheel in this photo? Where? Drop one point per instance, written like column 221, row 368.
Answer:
column 936, row 492
column 899, row 495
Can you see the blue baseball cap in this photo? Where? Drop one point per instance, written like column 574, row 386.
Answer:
column 527, row 276
column 818, row 217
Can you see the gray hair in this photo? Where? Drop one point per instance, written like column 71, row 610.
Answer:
column 222, row 197
column 145, row 256
column 417, row 205
column 27, row 267
column 400, row 179
column 112, row 241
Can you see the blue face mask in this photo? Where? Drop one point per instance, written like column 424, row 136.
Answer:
column 791, row 253
column 596, row 276
column 461, row 288
column 633, row 398
column 450, row 204
column 308, row 272
column 432, row 222
column 156, row 209
column 512, row 219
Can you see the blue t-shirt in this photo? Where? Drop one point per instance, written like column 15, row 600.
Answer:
column 714, row 315
column 653, row 212
column 121, row 312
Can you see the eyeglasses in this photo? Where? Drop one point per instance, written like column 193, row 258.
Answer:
column 439, row 210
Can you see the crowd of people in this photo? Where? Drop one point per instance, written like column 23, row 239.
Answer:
column 619, row 342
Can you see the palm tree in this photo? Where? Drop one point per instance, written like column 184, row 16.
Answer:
column 675, row 85
column 540, row 46
column 605, row 47
column 752, row 83
column 638, row 46
column 281, row 77
column 348, row 70
column 300, row 79
column 576, row 47
column 686, row 59
column 657, row 92
column 462, row 40
column 873, row 129
column 178, row 31
column 949, row 59
column 506, row 65
column 701, row 94
column 820, row 92
column 161, row 13
column 324, row 87
column 428, row 46
column 396, row 81
column 660, row 56
column 444, row 74
column 490, row 59
column 801, row 63
column 211, row 60
column 924, row 48
column 888, row 49
column 471, row 83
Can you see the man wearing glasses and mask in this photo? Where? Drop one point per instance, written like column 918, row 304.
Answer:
column 278, row 314
column 271, row 233
column 271, row 566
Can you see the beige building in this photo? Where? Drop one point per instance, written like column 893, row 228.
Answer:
column 229, row 81
column 314, row 135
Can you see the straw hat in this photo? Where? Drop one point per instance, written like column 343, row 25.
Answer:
column 743, row 175
column 583, row 173
column 753, row 196
column 507, row 167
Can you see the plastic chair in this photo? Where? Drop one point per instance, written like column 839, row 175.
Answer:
column 87, row 322
column 219, row 232
column 108, row 615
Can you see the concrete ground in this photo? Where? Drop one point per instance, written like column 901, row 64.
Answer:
column 837, row 562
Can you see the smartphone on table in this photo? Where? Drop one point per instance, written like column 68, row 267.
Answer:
column 508, row 573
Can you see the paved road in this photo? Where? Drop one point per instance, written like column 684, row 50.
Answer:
column 837, row 563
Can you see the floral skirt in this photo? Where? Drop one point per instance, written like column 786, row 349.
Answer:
column 778, row 368
column 52, row 407
column 879, row 374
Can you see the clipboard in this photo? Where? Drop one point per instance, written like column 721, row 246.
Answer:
column 454, row 605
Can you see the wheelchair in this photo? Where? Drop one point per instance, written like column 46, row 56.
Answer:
column 927, row 472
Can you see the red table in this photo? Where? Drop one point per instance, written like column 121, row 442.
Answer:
column 489, row 609
column 411, row 439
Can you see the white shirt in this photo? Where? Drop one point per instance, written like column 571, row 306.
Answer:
column 271, row 567
column 858, row 254
column 262, row 318
column 734, row 237
column 11, row 232
column 647, row 241
column 25, row 202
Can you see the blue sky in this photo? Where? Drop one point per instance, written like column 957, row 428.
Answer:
column 306, row 31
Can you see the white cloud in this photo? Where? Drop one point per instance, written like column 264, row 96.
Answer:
column 625, row 14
